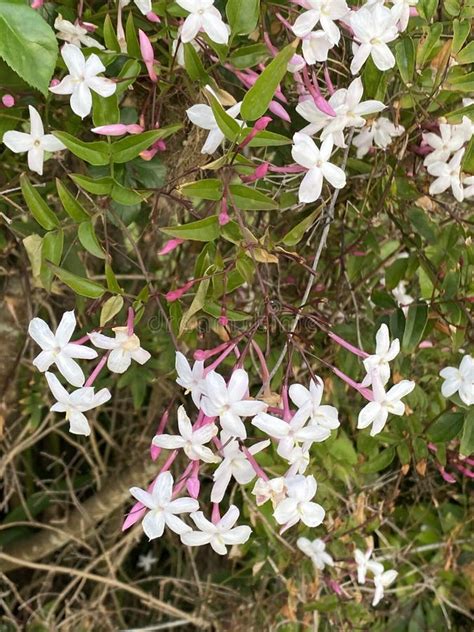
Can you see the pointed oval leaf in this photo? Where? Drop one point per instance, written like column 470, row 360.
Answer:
column 83, row 287
column 88, row 239
column 37, row 206
column 72, row 207
column 95, row 153
column 206, row 229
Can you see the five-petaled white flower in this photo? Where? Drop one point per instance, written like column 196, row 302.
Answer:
column 403, row 299
column 379, row 133
column 385, row 352
column 401, row 10
column 459, row 380
column 450, row 139
column 203, row 16
column 309, row 405
column 218, row 535
column 203, row 116
column 74, row 34
column 364, row 564
column 234, row 465
column 377, row 411
column 316, row 46
column 297, row 505
column 308, row 155
column 163, row 511
column 75, row 404
column 192, row 380
column 381, row 581
column 191, row 441
column 373, row 26
column 124, row 347
column 273, row 489
column 316, row 551
column 229, row 403
column 56, row 348
column 325, row 12
column 35, row 143
column 289, row 433
column 448, row 174
column 82, row 78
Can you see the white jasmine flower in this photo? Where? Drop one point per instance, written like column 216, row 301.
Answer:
column 203, row 116
column 385, row 352
column 309, row 405
column 35, row 143
column 290, row 432
column 218, row 535
column 373, row 27
column 144, row 6
column 307, row 154
column 191, row 441
column 377, row 411
column 379, row 133
column 192, row 380
column 203, row 16
column 316, row 550
column 227, row 401
column 74, row 34
column 273, row 489
column 400, row 295
column 298, row 457
column 364, row 564
column 146, row 562
column 459, row 380
column 381, row 581
column 82, row 78
column 162, row 510
column 56, row 348
column 449, row 140
column 177, row 48
column 234, row 465
column 124, row 348
column 76, row 404
column 298, row 506
column 316, row 46
column 448, row 175
column 401, row 10
column 325, row 12
column 468, row 183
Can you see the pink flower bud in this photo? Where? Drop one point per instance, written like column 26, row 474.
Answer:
column 148, row 57
column 88, row 26
column 323, row 105
column 224, row 214
column 174, row 295
column 54, row 82
column 8, row 101
column 37, row 4
column 223, row 320
column 260, row 172
column 170, row 245
column 335, row 587
column 279, row 111
column 193, row 486
column 413, row 12
column 134, row 128
column 135, row 514
column 152, row 17
column 116, row 129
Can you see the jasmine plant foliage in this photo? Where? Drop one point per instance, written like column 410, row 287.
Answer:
column 236, row 255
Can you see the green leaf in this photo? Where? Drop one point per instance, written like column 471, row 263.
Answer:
column 215, row 310
column 110, row 308
column 28, row 44
column 415, row 326
column 127, row 75
column 467, row 439
column 206, row 229
column 405, row 57
column 34, row 247
column 466, row 55
column 193, row 65
column 110, row 36
column 446, row 427
column 197, row 304
column 258, row 98
column 423, row 225
column 88, row 239
column 127, row 197
column 97, row 186
column 72, row 207
column 427, row 44
column 95, row 153
column 129, row 148
column 37, row 206
column 380, row 462
column 208, row 189
column 133, row 45
column 105, row 110
column 228, row 126
column 83, row 287
column 53, row 244
column 248, row 199
column 269, row 139
column 112, row 283
column 427, row 8
column 461, row 30
column 242, row 15
column 248, row 56
column 295, row 235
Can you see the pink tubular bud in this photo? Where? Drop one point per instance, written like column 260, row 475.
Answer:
column 148, row 57
column 134, row 128
column 335, row 587
column 152, row 17
column 224, row 217
column 413, row 12
column 154, row 449
column 327, row 79
column 148, row 154
column 8, row 101
column 116, row 129
column 37, row 4
column 135, row 514
column 223, row 320
column 54, row 82
column 174, row 295
column 279, row 111
column 170, row 245
column 193, row 486
column 260, row 172
column 324, row 106
column 216, row 514
column 88, row 26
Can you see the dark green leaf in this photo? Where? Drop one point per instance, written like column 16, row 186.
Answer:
column 95, row 153
column 206, row 229
column 37, row 206
column 83, row 287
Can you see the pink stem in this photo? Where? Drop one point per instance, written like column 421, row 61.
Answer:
column 91, row 379
column 347, row 345
column 130, row 321
column 251, row 459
